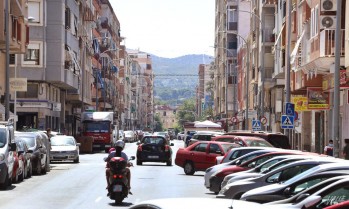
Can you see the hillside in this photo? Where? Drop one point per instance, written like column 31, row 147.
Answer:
column 174, row 86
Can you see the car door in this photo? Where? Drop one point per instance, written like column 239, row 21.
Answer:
column 214, row 150
column 198, row 155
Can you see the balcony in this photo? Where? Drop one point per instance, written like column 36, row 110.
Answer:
column 322, row 50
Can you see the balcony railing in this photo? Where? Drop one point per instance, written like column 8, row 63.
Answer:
column 327, row 43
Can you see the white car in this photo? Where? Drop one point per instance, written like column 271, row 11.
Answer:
column 64, row 148
column 196, row 203
column 236, row 189
column 129, row 136
column 240, row 159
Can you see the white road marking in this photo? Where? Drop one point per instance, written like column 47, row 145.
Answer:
column 98, row 199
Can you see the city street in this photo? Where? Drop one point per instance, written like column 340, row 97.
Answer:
column 82, row 185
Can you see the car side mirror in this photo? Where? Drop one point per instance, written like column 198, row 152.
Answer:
column 287, row 191
column 312, row 201
column 171, row 144
column 132, row 158
column 302, row 197
column 238, row 162
column 13, row 146
column 78, row 144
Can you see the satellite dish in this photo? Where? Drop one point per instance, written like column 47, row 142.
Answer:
column 327, row 4
column 327, row 22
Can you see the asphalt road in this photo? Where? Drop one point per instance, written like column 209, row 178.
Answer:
column 82, row 185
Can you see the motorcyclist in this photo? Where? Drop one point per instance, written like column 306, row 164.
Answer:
column 117, row 152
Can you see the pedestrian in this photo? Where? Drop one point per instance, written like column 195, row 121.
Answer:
column 329, row 148
column 346, row 149
column 48, row 133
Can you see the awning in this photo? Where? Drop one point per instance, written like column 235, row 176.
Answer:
column 277, row 39
column 294, row 52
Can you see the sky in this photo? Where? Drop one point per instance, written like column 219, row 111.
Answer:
column 167, row 28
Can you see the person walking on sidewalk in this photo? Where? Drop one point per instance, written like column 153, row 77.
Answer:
column 329, row 148
column 346, row 149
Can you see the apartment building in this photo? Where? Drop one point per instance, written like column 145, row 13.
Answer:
column 18, row 39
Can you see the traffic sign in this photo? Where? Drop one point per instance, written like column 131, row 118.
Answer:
column 256, row 125
column 289, row 108
column 287, row 122
column 234, row 120
column 295, row 115
column 264, row 120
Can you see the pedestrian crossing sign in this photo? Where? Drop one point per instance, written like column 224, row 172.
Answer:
column 256, row 125
column 287, row 122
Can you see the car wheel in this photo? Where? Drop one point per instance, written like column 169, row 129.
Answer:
column 76, row 160
column 4, row 185
column 169, row 162
column 139, row 162
column 189, row 168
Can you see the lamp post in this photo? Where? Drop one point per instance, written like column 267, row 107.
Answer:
column 261, row 101
column 7, row 63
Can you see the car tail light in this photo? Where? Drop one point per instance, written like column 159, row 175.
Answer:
column 140, row 148
column 167, row 148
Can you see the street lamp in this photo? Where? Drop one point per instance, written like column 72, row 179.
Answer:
column 261, row 101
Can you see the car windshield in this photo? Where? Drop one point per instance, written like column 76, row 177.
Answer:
column 62, row 141
column 257, row 143
column 96, row 126
column 301, row 176
column 29, row 140
column 2, row 137
column 153, row 140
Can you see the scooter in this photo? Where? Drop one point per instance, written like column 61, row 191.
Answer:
column 118, row 189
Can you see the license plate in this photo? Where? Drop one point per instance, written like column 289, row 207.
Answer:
column 117, row 188
column 153, row 157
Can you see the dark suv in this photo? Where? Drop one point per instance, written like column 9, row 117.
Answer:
column 154, row 149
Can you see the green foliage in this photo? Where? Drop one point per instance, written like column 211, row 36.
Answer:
column 158, row 123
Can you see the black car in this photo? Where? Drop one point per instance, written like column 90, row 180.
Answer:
column 154, row 149
column 37, row 145
column 25, row 153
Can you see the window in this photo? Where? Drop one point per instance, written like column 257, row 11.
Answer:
column 12, row 59
column 335, row 195
column 314, row 22
column 32, row 91
column 214, row 148
column 33, row 54
column 35, row 11
column 67, row 18
column 200, row 147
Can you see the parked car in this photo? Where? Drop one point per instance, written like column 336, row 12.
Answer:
column 244, row 141
column 7, row 149
column 24, row 154
column 217, row 178
column 201, row 155
column 263, row 168
column 329, row 195
column 36, row 144
column 195, row 203
column 296, row 184
column 341, row 205
column 64, row 148
column 278, row 140
column 163, row 134
column 240, row 155
column 154, row 149
column 180, row 135
column 236, row 189
column 203, row 136
column 235, row 153
column 129, row 136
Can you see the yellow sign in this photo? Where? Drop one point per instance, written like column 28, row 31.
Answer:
column 300, row 103
column 18, row 84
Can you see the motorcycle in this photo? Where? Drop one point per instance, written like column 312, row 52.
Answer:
column 118, row 189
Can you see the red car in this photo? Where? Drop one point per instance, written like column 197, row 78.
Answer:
column 244, row 141
column 201, row 155
column 217, row 178
column 341, row 205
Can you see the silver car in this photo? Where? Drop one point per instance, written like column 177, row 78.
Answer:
column 64, row 148
column 237, row 189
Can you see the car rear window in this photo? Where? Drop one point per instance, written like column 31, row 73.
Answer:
column 257, row 143
column 153, row 140
column 227, row 147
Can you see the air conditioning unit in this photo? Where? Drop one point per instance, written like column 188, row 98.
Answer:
column 328, row 5
column 328, row 22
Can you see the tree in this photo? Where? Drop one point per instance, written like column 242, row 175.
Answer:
column 186, row 112
column 158, row 123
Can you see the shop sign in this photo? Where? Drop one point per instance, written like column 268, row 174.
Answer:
column 18, row 84
column 317, row 99
column 328, row 81
column 300, row 103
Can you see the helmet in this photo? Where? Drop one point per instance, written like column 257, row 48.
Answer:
column 120, row 143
